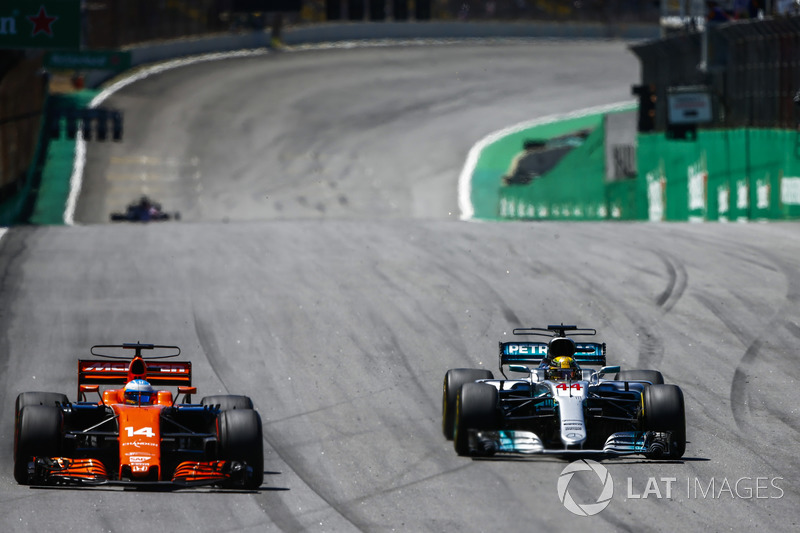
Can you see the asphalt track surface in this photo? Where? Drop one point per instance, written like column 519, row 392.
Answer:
column 321, row 269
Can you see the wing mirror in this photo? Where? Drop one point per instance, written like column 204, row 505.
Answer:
column 519, row 368
column 187, row 392
column 608, row 370
column 83, row 389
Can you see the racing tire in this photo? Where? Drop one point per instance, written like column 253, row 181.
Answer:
column 228, row 402
column 37, row 433
column 663, row 410
column 241, row 439
column 476, row 408
column 653, row 376
column 453, row 380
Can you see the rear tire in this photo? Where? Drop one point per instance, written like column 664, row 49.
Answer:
column 240, row 439
column 228, row 402
column 453, row 380
column 476, row 408
column 653, row 376
column 664, row 410
column 37, row 433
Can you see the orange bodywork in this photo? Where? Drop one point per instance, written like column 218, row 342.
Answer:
column 139, row 427
column 139, row 440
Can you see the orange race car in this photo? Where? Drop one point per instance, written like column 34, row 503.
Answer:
column 137, row 435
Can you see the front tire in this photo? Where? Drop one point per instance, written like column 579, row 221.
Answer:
column 664, row 410
column 454, row 379
column 241, row 439
column 37, row 433
column 476, row 408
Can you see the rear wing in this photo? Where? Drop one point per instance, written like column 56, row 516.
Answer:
column 105, row 372
column 515, row 353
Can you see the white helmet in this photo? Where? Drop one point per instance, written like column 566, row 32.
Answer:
column 139, row 392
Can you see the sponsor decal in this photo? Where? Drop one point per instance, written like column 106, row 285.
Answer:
column 723, row 202
column 698, row 179
column 790, row 191
column 105, row 367
column 742, row 196
column 526, row 349
column 140, row 444
column 762, row 193
column 656, row 183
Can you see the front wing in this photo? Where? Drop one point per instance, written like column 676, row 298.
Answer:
column 649, row 443
column 68, row 471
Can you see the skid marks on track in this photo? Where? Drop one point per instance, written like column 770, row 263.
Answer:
column 676, row 282
column 764, row 379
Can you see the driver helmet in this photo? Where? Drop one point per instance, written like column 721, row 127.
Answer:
column 139, row 392
column 563, row 368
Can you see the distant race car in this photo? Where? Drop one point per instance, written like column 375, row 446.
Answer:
column 144, row 210
column 560, row 408
column 137, row 435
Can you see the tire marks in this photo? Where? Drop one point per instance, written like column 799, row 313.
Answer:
column 676, row 282
column 760, row 336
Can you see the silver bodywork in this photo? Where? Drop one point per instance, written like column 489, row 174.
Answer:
column 570, row 398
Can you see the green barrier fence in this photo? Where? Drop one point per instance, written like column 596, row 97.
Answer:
column 740, row 174
column 722, row 175
column 495, row 160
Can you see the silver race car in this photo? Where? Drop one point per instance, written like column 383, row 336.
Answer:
column 559, row 407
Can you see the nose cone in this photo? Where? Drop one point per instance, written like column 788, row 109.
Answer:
column 573, row 426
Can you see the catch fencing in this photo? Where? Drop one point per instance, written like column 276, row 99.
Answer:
column 751, row 68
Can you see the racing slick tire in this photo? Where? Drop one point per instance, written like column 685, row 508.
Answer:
column 476, row 408
column 653, row 376
column 663, row 410
column 453, row 380
column 37, row 433
column 226, row 402
column 240, row 439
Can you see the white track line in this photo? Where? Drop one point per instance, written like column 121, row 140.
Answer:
column 465, row 179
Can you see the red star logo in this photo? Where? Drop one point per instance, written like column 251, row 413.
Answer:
column 41, row 23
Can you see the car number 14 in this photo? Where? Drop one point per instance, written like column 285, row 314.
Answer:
column 145, row 431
